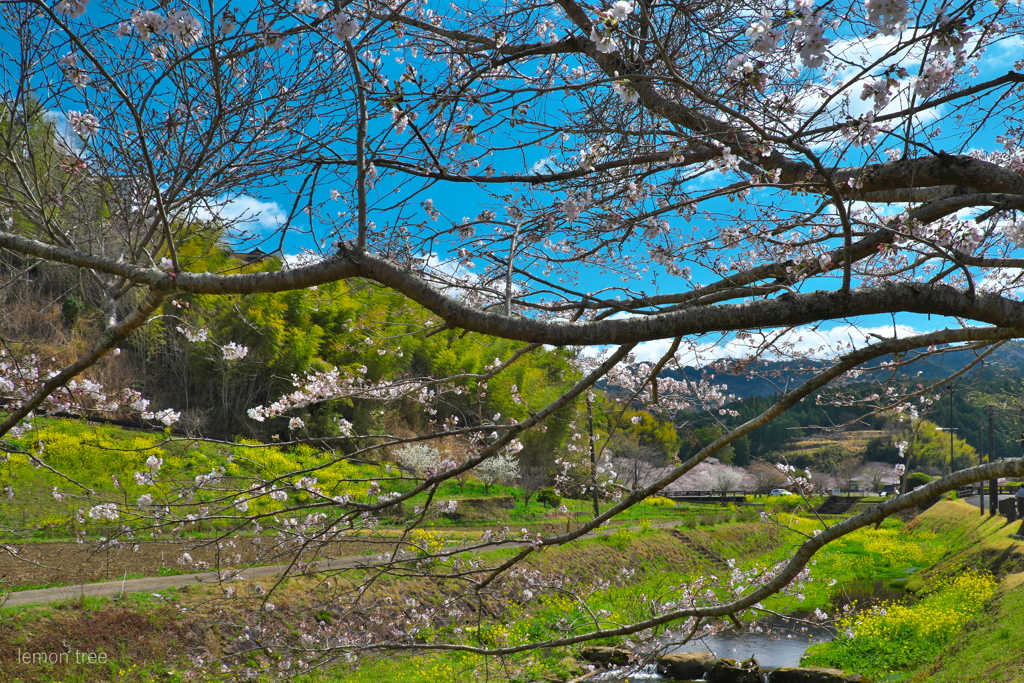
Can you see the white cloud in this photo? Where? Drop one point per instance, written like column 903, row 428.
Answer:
column 304, row 258
column 816, row 343
column 1005, row 281
column 652, row 351
column 843, row 337
column 244, row 211
column 545, row 165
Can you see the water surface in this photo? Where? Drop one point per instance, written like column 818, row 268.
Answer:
column 782, row 643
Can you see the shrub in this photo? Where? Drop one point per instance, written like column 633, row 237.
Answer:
column 426, row 542
column 660, row 502
column 620, row 538
column 72, row 309
column 917, row 479
column 548, row 497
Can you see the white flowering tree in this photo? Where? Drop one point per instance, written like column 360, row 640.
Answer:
column 621, row 176
column 421, row 459
column 502, row 468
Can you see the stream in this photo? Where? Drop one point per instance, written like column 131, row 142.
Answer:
column 784, row 645
column 783, row 642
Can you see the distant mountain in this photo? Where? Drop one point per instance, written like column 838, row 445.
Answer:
column 768, row 378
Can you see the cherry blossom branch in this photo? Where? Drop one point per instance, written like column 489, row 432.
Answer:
column 107, row 342
column 788, row 400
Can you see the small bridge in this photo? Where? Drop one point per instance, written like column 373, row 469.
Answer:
column 706, row 496
column 972, row 490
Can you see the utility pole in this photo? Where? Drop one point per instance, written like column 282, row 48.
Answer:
column 593, row 455
column 981, row 461
column 951, row 390
column 993, row 484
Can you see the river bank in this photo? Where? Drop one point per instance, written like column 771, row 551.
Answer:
column 623, row 576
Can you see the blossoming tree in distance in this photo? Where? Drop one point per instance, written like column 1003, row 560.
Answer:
column 614, row 178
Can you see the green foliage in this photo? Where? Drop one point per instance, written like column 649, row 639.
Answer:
column 620, row 538
column 72, row 308
column 916, row 479
column 93, row 455
column 929, row 447
column 649, row 431
column 824, row 459
column 548, row 497
column 360, row 329
column 700, row 437
column 881, row 449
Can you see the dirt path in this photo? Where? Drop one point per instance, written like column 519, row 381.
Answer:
column 152, row 584
column 157, row 583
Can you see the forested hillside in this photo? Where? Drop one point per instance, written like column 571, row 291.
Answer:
column 178, row 362
column 214, row 360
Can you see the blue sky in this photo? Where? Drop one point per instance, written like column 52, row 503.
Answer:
column 270, row 210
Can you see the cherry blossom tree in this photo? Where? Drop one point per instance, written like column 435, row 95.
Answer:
column 620, row 177
column 500, row 468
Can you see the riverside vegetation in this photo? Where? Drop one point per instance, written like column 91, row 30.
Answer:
column 954, row 566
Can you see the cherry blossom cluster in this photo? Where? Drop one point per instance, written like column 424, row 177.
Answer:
column 344, row 26
column 964, row 236
column 951, row 35
column 879, row 91
column 934, row 74
column 21, row 379
column 180, row 25
column 809, row 34
column 72, row 8
column 1014, row 231
column 806, row 30
column 626, row 92
column 603, row 33
column 745, row 69
column 233, row 351
column 888, row 16
column 194, row 334
column 801, row 481
column 711, row 475
column 106, row 511
column 501, row 467
column 672, row 394
column 335, row 384
column 861, row 131
column 763, row 38
column 85, row 124
column 75, row 74
column 402, row 119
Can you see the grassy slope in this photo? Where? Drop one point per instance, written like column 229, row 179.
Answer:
column 660, row 557
column 971, row 542
column 991, row 648
column 988, row 651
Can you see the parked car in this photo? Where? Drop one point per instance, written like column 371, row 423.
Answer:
column 780, row 492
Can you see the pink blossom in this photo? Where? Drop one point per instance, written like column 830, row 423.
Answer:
column 85, row 125
column 71, row 8
column 344, row 26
